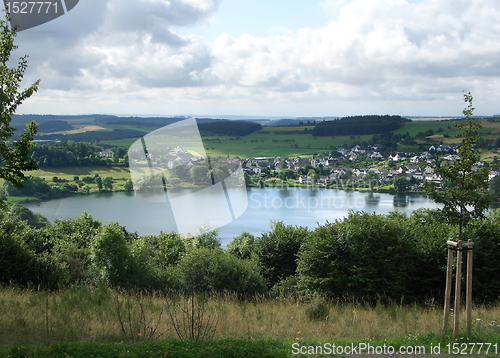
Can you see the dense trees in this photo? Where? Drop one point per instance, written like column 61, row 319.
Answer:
column 364, row 257
column 69, row 153
column 54, row 126
column 359, row 125
column 228, row 128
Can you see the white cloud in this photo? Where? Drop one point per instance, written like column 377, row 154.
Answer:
column 375, row 53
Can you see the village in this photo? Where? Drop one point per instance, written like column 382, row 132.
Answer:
column 360, row 168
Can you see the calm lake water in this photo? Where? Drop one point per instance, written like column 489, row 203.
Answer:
column 294, row 206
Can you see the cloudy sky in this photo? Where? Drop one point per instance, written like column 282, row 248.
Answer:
column 266, row 57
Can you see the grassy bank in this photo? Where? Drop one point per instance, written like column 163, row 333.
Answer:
column 33, row 318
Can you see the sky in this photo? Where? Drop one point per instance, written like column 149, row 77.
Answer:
column 279, row 58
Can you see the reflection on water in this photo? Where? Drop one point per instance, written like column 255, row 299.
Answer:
column 372, row 200
column 293, row 206
column 400, row 201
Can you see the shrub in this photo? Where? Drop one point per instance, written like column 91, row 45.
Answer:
column 111, row 255
column 317, row 309
column 242, row 246
column 277, row 251
column 363, row 256
column 213, row 270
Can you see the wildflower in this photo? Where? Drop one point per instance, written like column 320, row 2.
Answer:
column 140, row 334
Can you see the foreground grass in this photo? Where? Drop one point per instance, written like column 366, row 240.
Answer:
column 103, row 318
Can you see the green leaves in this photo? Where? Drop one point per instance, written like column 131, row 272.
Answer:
column 466, row 198
column 14, row 157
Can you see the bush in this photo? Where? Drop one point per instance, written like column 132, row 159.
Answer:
column 23, row 260
column 363, row 256
column 486, row 261
column 277, row 251
column 111, row 256
column 213, row 270
column 242, row 246
column 317, row 309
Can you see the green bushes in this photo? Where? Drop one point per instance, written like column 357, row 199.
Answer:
column 277, row 251
column 21, row 261
column 111, row 256
column 213, row 270
column 365, row 257
column 486, row 253
column 369, row 257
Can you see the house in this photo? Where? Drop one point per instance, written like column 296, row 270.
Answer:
column 306, row 179
column 106, row 154
column 418, row 175
column 415, row 159
column 323, row 178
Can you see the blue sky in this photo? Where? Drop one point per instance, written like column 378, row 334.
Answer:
column 266, row 58
column 261, row 18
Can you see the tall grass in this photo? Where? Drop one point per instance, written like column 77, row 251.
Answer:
column 31, row 317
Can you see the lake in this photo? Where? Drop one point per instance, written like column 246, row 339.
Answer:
column 294, row 206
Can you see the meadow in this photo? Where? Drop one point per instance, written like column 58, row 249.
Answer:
column 102, row 316
column 295, row 142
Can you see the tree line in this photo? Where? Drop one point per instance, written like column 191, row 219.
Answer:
column 228, row 128
column 71, row 154
column 365, row 257
column 359, row 125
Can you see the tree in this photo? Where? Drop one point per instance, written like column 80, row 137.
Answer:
column 495, row 187
column 14, row 157
column 199, row 174
column 98, row 181
column 277, row 251
column 371, row 179
column 108, row 183
column 401, row 184
column 467, row 197
column 128, row 186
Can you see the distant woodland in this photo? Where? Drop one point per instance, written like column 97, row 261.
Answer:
column 228, row 128
column 54, row 126
column 359, row 125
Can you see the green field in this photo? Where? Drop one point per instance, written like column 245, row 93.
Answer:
column 68, row 173
column 270, row 141
column 294, row 142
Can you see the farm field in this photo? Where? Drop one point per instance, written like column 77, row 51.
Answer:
column 270, row 141
column 293, row 142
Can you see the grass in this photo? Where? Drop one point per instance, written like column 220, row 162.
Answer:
column 117, row 173
column 281, row 141
column 170, row 348
column 35, row 318
column 271, row 141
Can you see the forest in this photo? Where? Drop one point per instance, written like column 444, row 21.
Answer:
column 359, row 125
column 228, row 128
column 70, row 153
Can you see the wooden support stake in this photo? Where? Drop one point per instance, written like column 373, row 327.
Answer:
column 458, row 280
column 447, row 293
column 468, row 299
